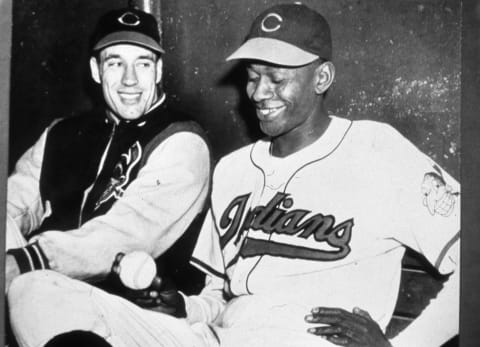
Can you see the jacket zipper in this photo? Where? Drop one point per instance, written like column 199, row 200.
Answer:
column 100, row 167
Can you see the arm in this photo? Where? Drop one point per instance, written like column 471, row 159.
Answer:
column 438, row 323
column 208, row 257
column 154, row 211
column 442, row 312
column 426, row 218
column 25, row 211
column 209, row 304
column 161, row 296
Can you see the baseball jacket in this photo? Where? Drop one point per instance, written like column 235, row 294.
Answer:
column 114, row 186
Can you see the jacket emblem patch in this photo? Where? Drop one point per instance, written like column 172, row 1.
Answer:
column 121, row 174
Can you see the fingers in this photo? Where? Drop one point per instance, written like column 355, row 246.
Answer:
column 339, row 323
column 334, row 334
column 360, row 312
column 335, row 331
column 338, row 340
column 169, row 296
column 356, row 328
column 329, row 315
column 157, row 284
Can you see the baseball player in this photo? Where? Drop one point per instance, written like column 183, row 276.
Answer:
column 129, row 176
column 303, row 242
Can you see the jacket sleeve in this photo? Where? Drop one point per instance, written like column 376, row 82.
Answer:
column 25, row 211
column 155, row 210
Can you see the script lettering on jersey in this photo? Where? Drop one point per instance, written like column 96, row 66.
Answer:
column 278, row 217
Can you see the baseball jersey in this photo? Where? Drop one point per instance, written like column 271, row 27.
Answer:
column 324, row 226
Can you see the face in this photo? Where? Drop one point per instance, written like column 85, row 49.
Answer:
column 285, row 98
column 129, row 75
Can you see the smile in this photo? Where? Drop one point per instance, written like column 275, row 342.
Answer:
column 129, row 98
column 269, row 113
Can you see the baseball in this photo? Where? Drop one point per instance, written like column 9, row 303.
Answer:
column 137, row 270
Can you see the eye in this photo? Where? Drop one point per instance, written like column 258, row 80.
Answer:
column 277, row 79
column 145, row 64
column 114, row 63
column 252, row 78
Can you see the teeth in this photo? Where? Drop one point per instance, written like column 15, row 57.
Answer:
column 267, row 111
column 129, row 96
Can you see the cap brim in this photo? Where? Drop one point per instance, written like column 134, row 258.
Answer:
column 132, row 37
column 273, row 51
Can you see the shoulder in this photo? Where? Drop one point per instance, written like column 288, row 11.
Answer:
column 91, row 124
column 374, row 128
column 179, row 138
column 377, row 136
column 78, row 122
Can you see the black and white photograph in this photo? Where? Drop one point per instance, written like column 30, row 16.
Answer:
column 240, row 173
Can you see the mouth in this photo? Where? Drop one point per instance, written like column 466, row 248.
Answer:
column 269, row 113
column 129, row 98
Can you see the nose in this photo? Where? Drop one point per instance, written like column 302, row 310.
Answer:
column 261, row 91
column 129, row 77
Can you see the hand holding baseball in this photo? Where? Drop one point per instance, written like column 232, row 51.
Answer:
column 138, row 273
column 136, row 269
column 161, row 296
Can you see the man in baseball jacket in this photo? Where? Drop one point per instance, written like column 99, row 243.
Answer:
column 303, row 242
column 131, row 175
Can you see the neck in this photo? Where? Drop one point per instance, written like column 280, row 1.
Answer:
column 302, row 136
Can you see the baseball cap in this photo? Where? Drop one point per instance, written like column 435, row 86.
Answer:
column 127, row 25
column 288, row 35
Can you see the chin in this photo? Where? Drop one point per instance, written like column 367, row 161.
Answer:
column 130, row 115
column 270, row 130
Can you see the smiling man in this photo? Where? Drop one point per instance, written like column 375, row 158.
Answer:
column 130, row 176
column 307, row 227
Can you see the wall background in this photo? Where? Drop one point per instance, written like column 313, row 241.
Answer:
column 397, row 61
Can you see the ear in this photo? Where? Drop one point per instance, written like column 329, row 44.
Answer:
column 95, row 69
column 159, row 67
column 324, row 76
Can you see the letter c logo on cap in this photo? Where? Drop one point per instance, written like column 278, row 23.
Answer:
column 129, row 18
column 276, row 17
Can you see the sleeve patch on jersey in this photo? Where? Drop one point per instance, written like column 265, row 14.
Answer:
column 438, row 197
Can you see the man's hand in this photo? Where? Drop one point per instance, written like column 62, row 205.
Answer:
column 343, row 328
column 161, row 296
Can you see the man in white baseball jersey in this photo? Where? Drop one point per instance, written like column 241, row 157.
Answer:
column 303, row 242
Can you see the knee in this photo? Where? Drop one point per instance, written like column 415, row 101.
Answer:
column 30, row 286
column 78, row 338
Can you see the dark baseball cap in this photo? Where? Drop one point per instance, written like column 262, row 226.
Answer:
column 127, row 25
column 287, row 35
